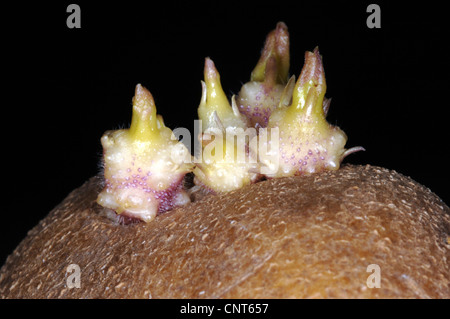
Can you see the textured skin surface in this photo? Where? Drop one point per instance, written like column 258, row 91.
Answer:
column 300, row 237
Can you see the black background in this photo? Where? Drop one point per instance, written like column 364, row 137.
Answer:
column 65, row 87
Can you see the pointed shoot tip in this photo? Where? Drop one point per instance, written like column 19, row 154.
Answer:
column 210, row 71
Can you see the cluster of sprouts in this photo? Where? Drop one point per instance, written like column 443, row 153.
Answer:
column 282, row 123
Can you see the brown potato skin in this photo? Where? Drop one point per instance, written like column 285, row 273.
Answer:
column 295, row 237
